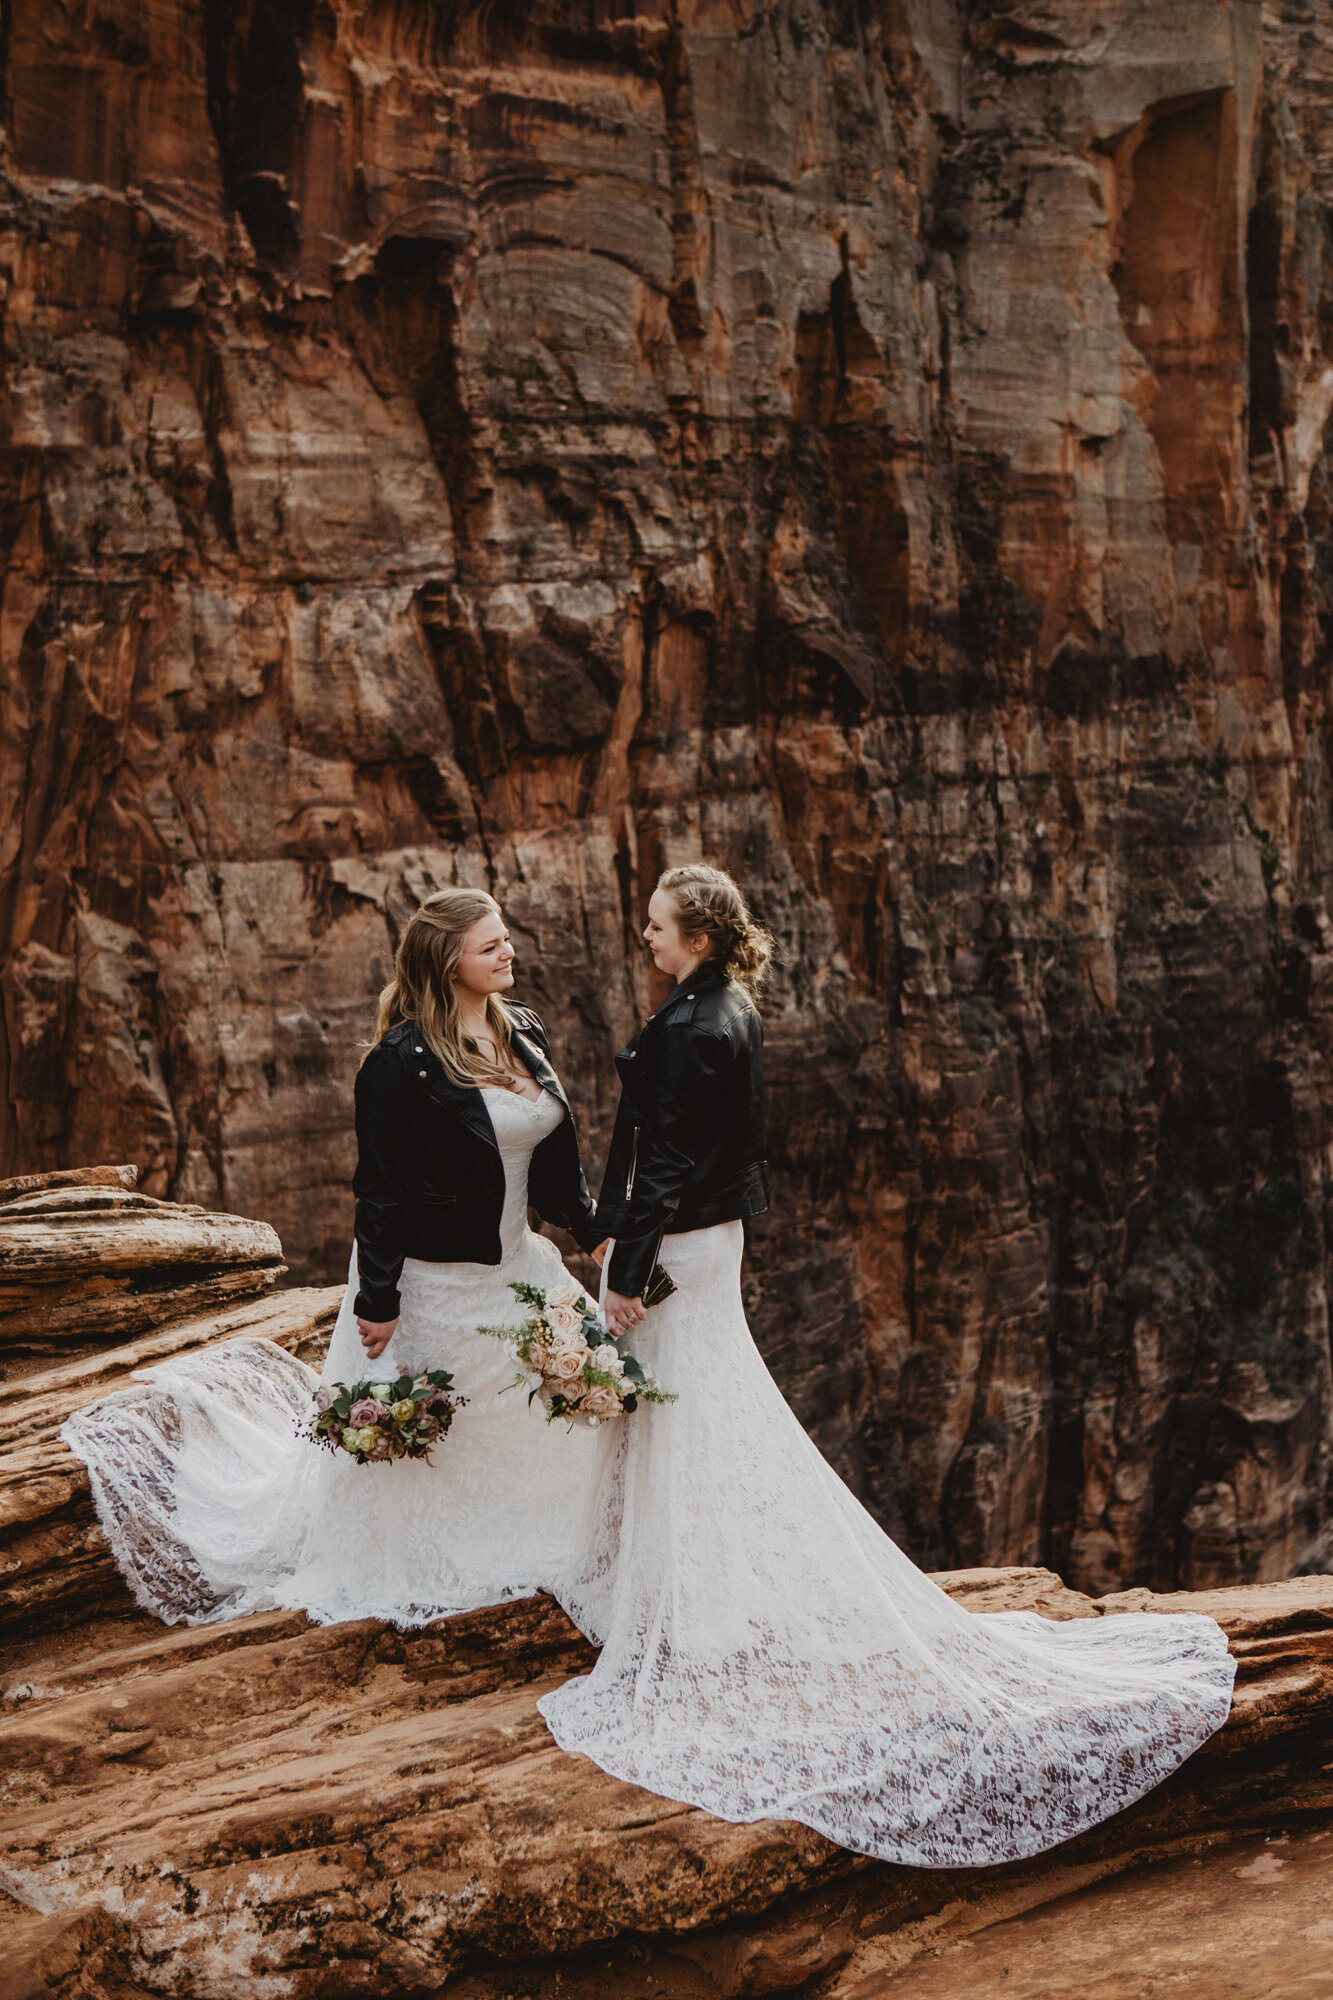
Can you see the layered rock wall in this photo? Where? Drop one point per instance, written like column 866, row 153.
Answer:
column 880, row 447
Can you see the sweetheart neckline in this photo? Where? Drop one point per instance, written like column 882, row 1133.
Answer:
column 502, row 1090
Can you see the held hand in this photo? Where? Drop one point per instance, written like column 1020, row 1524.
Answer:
column 375, row 1335
column 622, row 1313
column 599, row 1254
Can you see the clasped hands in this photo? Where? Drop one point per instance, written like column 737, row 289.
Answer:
column 621, row 1314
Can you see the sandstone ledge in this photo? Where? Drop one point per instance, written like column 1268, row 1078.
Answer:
column 350, row 1808
column 54, row 1562
column 86, row 1261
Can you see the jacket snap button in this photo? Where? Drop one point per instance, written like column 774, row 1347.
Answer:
column 421, row 1073
column 418, row 1048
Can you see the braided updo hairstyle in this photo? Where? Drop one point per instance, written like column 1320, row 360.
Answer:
column 709, row 904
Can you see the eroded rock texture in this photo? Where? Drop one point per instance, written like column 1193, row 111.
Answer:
column 347, row 1810
column 86, row 1261
column 879, row 446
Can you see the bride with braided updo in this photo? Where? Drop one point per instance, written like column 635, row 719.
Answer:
column 767, row 1652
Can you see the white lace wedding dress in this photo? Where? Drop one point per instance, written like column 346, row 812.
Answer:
column 214, row 1505
column 767, row 1652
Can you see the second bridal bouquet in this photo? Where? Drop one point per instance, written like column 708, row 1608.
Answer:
column 575, row 1368
column 379, row 1421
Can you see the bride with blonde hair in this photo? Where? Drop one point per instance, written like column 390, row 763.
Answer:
column 214, row 1506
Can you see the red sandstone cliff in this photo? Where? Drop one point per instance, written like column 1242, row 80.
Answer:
column 882, row 446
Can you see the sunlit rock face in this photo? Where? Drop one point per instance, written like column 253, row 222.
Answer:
column 880, row 448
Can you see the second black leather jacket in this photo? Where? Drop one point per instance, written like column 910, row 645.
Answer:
column 688, row 1147
column 429, row 1179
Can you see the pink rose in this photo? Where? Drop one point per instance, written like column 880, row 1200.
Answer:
column 366, row 1413
column 323, row 1397
column 600, row 1402
column 378, row 1452
column 568, row 1364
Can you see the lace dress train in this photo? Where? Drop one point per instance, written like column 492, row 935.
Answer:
column 768, row 1652
column 215, row 1504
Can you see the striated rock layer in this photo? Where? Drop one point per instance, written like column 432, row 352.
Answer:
column 84, row 1261
column 347, row 1810
column 880, row 447
column 266, row 1806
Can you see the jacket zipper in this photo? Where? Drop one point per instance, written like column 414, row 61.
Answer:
column 633, row 1165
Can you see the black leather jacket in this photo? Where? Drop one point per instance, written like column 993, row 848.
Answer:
column 688, row 1147
column 429, row 1179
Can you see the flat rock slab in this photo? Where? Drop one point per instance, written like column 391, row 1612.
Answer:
column 352, row 1807
column 54, row 1562
column 1239, row 1920
column 85, row 1261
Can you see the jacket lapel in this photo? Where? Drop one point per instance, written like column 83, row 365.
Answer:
column 627, row 1062
column 532, row 1056
column 468, row 1105
column 708, row 974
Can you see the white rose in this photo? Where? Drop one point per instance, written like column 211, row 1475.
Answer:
column 564, row 1292
column 568, row 1363
column 564, row 1318
column 607, row 1358
column 381, row 1391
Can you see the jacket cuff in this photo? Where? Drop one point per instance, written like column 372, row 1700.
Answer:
column 585, row 1232
column 631, row 1264
column 377, row 1306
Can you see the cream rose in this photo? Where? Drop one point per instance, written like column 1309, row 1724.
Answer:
column 568, row 1363
column 565, row 1319
column 601, row 1402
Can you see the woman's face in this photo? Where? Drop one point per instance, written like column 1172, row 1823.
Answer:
column 672, row 953
column 487, row 964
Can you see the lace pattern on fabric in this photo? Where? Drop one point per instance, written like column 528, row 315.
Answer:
column 769, row 1653
column 214, row 1505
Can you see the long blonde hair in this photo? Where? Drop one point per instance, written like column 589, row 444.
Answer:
column 710, row 904
column 422, row 988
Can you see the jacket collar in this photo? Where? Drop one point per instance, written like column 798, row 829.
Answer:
column 710, row 973
column 531, row 1054
column 469, row 1104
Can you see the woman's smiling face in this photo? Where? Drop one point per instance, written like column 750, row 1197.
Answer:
column 672, row 952
column 487, row 963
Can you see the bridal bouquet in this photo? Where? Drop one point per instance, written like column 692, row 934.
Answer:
column 576, row 1369
column 378, row 1421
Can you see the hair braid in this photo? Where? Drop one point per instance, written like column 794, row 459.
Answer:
column 710, row 904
